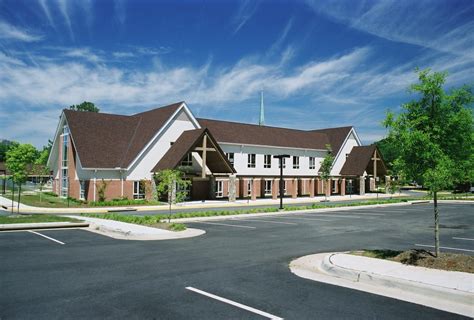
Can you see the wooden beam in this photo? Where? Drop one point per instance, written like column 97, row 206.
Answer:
column 375, row 159
column 204, row 156
column 202, row 149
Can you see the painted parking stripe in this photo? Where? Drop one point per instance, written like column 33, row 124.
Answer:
column 330, row 215
column 227, row 225
column 468, row 239
column 300, row 218
column 449, row 248
column 259, row 220
column 235, row 304
column 49, row 238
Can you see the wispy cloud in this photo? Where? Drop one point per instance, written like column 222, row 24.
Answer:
column 276, row 47
column 120, row 12
column 10, row 32
column 245, row 12
column 64, row 8
column 83, row 53
column 422, row 23
column 47, row 12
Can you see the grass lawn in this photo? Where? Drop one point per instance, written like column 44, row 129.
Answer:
column 423, row 258
column 47, row 200
column 34, row 219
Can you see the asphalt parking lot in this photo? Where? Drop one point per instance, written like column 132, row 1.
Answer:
column 238, row 270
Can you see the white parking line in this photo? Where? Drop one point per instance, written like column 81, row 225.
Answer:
column 332, row 215
column 449, row 248
column 236, row 304
column 299, row 218
column 463, row 239
column 49, row 238
column 259, row 220
column 224, row 224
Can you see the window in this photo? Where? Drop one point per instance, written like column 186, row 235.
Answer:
column 268, row 187
column 230, row 156
column 65, row 183
column 284, row 163
column 82, row 190
column 251, row 160
column 296, row 162
column 187, row 161
column 312, row 163
column 138, row 190
column 249, row 187
column 267, row 161
column 334, row 186
column 219, row 189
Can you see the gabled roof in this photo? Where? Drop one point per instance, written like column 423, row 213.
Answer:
column 336, row 136
column 359, row 159
column 217, row 162
column 109, row 141
column 243, row 133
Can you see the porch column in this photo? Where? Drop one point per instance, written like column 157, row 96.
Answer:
column 318, row 189
column 362, row 185
column 254, row 188
column 275, row 184
column 311, row 188
column 328, row 187
column 232, row 188
column 294, row 193
column 343, row 186
column 387, row 182
column 372, row 184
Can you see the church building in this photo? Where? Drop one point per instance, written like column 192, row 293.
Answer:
column 222, row 159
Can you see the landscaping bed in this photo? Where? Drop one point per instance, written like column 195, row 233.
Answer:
column 424, row 258
column 37, row 218
column 149, row 221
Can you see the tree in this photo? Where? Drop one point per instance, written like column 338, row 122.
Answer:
column 388, row 151
column 6, row 145
column 101, row 189
column 170, row 184
column 85, row 106
column 434, row 137
column 18, row 159
column 325, row 169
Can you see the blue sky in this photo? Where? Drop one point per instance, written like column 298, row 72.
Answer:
column 320, row 63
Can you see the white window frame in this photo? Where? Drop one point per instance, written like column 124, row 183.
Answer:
column 267, row 161
column 312, row 162
column 136, row 191
column 268, row 187
column 296, row 162
column 188, row 160
column 231, row 157
column 82, row 189
column 219, row 188
column 251, row 160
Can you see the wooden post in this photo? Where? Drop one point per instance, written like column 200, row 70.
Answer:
column 375, row 159
column 204, row 147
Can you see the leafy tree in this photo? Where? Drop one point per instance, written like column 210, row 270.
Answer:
column 5, row 145
column 18, row 159
column 85, row 106
column 434, row 137
column 325, row 169
column 170, row 184
column 44, row 153
column 388, row 151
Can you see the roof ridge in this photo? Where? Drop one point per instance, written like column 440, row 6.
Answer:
column 159, row 108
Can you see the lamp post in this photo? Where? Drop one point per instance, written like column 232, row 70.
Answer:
column 281, row 157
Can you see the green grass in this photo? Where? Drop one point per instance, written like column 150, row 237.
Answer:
column 34, row 219
column 51, row 200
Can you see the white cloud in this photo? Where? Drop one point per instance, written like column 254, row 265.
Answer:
column 64, row 8
column 245, row 12
column 10, row 32
column 82, row 53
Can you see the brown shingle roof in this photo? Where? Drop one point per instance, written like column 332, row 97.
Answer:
column 233, row 132
column 108, row 141
column 358, row 162
column 336, row 136
column 217, row 162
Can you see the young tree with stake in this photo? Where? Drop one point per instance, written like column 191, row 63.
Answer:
column 171, row 184
column 325, row 169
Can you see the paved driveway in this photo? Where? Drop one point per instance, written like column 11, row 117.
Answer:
column 238, row 270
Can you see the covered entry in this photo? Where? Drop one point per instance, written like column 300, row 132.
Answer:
column 366, row 168
column 198, row 155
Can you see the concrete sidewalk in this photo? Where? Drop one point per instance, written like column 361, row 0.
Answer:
column 194, row 204
column 445, row 290
column 42, row 225
column 129, row 231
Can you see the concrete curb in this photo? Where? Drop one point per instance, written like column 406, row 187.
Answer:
column 438, row 292
column 128, row 231
column 318, row 267
column 42, row 225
